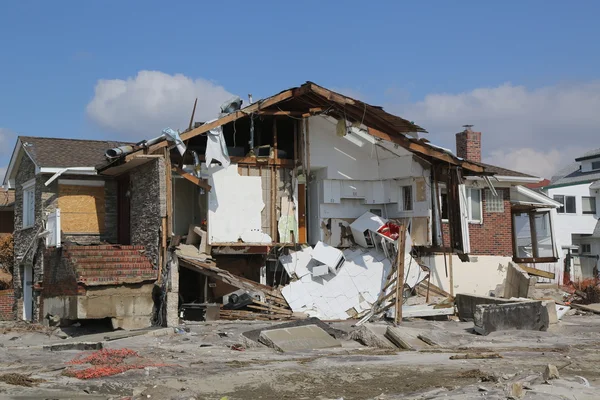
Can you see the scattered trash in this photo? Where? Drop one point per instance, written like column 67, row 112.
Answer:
column 20, row 380
column 108, row 362
column 476, row 356
column 238, row 347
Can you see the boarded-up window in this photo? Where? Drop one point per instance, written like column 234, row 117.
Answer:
column 82, row 208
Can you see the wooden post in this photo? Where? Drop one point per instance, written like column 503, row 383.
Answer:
column 451, row 273
column 274, row 229
column 400, row 274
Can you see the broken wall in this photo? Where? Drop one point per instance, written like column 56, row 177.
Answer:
column 129, row 306
column 235, row 205
column 148, row 206
column 480, row 276
column 351, row 176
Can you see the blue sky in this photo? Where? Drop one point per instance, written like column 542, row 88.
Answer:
column 524, row 72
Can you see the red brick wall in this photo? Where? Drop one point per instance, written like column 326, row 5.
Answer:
column 7, row 301
column 468, row 145
column 494, row 236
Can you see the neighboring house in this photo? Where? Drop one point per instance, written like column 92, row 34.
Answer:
column 499, row 226
column 577, row 188
column 75, row 256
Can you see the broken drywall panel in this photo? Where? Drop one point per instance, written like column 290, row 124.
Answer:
column 353, row 290
column 296, row 262
column 234, row 206
column 363, row 224
column 329, row 256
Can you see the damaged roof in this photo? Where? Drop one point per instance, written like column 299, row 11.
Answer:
column 505, row 172
column 63, row 153
column 311, row 99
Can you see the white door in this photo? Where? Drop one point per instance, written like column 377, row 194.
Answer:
column 28, row 293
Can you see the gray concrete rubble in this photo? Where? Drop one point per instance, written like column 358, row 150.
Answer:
column 213, row 360
column 530, row 315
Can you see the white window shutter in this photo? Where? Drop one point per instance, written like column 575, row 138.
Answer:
column 464, row 218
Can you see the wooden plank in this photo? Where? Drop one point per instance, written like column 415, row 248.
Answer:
column 196, row 181
column 537, row 272
column 169, row 192
column 425, row 150
column 400, row 273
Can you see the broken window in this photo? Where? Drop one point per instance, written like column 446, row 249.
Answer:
column 532, row 236
column 588, row 205
column 444, row 203
column 407, row 200
column 493, row 204
column 568, row 204
column 29, row 203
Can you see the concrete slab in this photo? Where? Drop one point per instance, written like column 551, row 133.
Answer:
column 531, row 315
column 336, row 333
column 373, row 335
column 405, row 338
column 298, row 338
column 518, row 282
column 467, row 304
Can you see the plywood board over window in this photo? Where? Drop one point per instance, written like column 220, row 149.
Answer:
column 82, row 208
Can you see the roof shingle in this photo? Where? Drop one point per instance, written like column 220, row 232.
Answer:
column 64, row 153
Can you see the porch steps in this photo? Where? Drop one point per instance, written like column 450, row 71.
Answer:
column 110, row 264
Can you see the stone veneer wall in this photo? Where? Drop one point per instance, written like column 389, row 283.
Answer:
column 148, row 206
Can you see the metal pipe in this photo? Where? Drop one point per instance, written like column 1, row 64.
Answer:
column 118, row 151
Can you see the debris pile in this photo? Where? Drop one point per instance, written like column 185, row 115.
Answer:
column 20, row 380
column 108, row 362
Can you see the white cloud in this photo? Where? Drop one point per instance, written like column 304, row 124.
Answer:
column 142, row 107
column 536, row 131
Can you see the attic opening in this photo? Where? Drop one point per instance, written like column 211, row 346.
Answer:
column 265, row 132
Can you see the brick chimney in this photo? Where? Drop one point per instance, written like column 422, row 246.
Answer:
column 468, row 144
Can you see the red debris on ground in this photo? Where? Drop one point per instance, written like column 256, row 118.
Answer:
column 108, row 362
column 586, row 291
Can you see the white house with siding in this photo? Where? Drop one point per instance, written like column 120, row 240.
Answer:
column 577, row 188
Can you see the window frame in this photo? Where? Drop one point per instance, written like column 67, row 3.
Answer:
column 535, row 259
column 597, row 165
column 593, row 202
column 583, row 249
column 470, row 207
column 28, row 202
column 563, row 203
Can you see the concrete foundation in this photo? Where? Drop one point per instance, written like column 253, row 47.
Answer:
column 467, row 304
column 128, row 306
column 531, row 315
column 518, row 282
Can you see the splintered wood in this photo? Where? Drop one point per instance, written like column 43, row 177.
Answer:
column 392, row 293
column 275, row 307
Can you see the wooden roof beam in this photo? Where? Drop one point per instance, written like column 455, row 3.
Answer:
column 278, row 98
column 196, row 181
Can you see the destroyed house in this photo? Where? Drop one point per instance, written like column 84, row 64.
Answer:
column 295, row 203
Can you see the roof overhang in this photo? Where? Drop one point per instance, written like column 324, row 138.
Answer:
column 15, row 160
column 533, row 198
column 511, row 179
column 311, row 99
